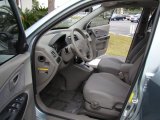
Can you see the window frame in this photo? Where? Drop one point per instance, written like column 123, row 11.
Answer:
column 112, row 11
column 21, row 43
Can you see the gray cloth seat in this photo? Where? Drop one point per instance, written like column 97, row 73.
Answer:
column 105, row 90
column 110, row 65
column 105, row 93
column 113, row 65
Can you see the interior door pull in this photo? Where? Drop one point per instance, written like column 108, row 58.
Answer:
column 14, row 81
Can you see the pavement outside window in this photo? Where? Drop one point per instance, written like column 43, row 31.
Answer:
column 119, row 45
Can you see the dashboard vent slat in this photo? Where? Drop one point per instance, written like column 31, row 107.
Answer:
column 54, row 54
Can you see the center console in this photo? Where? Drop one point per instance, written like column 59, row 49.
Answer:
column 75, row 75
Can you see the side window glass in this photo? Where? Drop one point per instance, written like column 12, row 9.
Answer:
column 76, row 17
column 102, row 19
column 8, row 32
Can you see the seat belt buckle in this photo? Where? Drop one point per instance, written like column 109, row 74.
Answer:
column 121, row 75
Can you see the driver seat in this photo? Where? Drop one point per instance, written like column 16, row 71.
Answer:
column 105, row 93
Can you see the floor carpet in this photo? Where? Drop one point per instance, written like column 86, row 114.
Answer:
column 67, row 101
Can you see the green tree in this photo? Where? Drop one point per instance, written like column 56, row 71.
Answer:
column 133, row 10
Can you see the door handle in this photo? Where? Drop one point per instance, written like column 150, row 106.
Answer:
column 14, row 81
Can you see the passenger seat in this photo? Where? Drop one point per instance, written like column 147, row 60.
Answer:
column 105, row 93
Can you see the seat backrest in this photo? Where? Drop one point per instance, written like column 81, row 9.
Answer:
column 137, row 53
column 134, row 69
column 138, row 50
column 141, row 48
column 132, row 56
column 137, row 59
column 136, row 62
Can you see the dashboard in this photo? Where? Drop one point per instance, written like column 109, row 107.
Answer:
column 53, row 52
column 60, row 42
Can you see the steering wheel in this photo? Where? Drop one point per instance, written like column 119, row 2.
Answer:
column 82, row 47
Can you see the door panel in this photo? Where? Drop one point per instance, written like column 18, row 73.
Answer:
column 101, row 39
column 16, row 80
column 99, row 27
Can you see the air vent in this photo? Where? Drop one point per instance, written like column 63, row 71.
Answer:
column 75, row 37
column 58, row 60
column 54, row 54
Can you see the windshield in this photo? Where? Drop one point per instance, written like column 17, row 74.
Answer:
column 76, row 17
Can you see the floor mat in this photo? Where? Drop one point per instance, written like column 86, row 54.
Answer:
column 68, row 101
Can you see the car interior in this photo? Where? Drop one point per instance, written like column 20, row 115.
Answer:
column 69, row 84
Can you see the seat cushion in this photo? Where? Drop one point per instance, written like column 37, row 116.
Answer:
column 110, row 65
column 105, row 89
